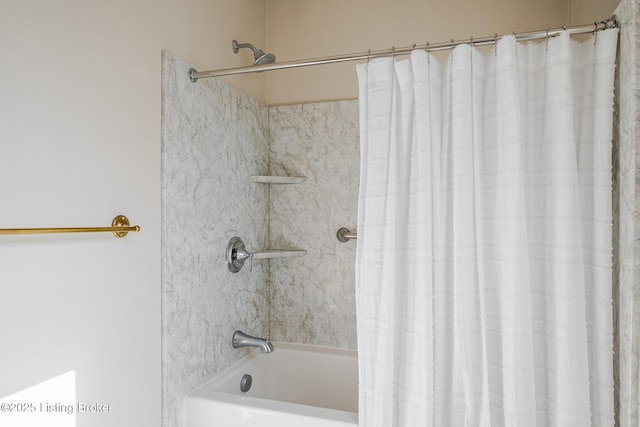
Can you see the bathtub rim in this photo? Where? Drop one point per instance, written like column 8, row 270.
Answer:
column 269, row 406
column 205, row 392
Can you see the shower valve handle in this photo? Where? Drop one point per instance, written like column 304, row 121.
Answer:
column 237, row 255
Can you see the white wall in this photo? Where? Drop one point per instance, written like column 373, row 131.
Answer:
column 79, row 143
column 201, row 31
column 587, row 11
column 80, row 121
column 301, row 29
column 298, row 29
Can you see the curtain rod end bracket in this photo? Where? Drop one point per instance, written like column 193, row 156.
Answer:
column 193, row 75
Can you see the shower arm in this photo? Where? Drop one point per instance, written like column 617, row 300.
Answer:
column 235, row 46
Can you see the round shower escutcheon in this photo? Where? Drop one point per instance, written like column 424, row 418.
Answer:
column 234, row 246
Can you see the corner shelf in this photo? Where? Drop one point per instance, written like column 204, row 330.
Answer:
column 265, row 179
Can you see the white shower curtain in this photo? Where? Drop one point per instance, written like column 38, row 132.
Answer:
column 484, row 255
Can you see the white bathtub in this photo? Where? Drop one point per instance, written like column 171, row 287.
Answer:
column 296, row 385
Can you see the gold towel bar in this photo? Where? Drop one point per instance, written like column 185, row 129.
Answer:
column 119, row 227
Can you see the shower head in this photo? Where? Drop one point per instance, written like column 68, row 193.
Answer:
column 259, row 56
column 265, row 58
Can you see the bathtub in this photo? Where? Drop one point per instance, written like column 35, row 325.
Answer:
column 296, row 385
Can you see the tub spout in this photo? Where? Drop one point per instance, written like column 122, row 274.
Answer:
column 240, row 339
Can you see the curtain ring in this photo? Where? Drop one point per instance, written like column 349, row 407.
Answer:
column 515, row 35
column 368, row 55
column 426, row 47
column 595, row 32
column 546, row 41
column 495, row 44
column 471, row 41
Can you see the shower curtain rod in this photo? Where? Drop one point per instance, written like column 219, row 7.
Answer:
column 194, row 75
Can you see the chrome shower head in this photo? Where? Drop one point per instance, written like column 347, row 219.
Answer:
column 266, row 58
column 259, row 56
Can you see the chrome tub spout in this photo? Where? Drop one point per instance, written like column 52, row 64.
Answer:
column 240, row 339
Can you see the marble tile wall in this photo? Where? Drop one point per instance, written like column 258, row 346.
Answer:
column 627, row 214
column 214, row 137
column 313, row 297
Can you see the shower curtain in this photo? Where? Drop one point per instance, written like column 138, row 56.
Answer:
column 484, row 257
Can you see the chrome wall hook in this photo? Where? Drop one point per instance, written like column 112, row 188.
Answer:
column 344, row 234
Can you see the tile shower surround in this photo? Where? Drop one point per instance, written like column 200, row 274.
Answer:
column 313, row 297
column 214, row 138
column 626, row 204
